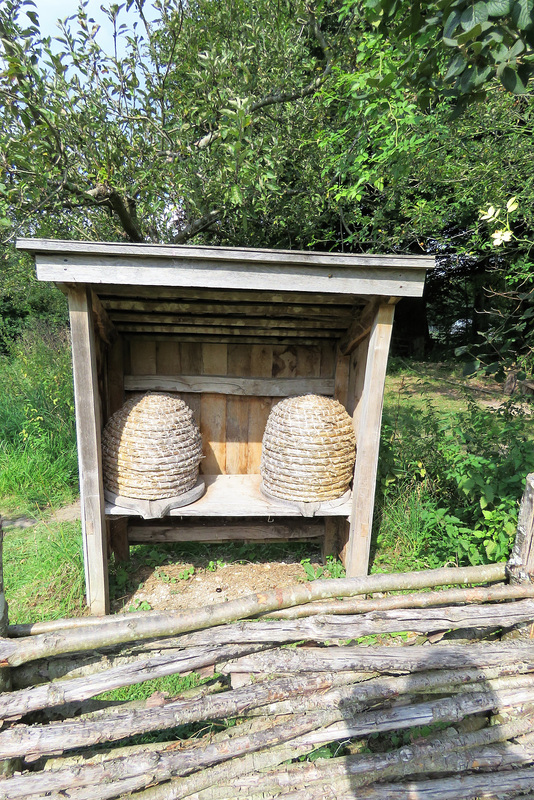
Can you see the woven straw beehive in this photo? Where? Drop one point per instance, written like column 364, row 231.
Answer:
column 308, row 450
column 151, row 448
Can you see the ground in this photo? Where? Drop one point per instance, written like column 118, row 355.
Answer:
column 205, row 586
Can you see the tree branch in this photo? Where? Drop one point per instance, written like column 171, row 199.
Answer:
column 124, row 207
column 197, row 226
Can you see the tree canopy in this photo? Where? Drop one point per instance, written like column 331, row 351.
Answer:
column 278, row 123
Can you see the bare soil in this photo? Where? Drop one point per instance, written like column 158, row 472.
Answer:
column 167, row 587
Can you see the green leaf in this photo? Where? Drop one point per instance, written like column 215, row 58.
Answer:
column 474, row 15
column 498, row 8
column 482, row 74
column 522, row 15
column 472, row 33
column 387, row 80
column 451, row 23
column 456, row 66
column 516, row 49
column 467, row 80
column 236, row 196
column 511, row 81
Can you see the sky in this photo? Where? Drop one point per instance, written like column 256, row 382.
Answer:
column 50, row 11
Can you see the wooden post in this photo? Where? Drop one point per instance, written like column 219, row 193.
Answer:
column 369, row 421
column 520, row 567
column 117, row 530
column 88, row 430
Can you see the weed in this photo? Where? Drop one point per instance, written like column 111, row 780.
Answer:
column 139, row 605
column 187, row 573
column 213, row 566
column 312, row 573
column 333, row 569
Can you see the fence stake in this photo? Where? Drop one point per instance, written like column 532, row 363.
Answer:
column 520, row 567
column 6, row 767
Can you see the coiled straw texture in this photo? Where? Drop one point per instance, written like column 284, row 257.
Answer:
column 308, row 449
column 151, row 448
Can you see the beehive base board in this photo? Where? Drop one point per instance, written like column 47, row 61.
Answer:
column 156, row 509
column 308, row 509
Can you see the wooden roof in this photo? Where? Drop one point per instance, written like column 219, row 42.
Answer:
column 220, row 293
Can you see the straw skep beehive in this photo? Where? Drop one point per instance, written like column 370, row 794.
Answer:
column 151, row 449
column 308, row 450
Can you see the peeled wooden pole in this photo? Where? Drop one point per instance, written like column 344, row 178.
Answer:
column 152, row 766
column 381, row 658
column 118, row 631
column 445, row 597
column 504, row 783
column 16, row 704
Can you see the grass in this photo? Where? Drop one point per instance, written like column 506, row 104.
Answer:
column 171, row 685
column 38, row 465
column 43, row 572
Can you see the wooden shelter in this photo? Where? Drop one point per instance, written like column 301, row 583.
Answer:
column 231, row 330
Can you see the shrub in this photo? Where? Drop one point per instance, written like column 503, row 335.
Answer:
column 450, row 484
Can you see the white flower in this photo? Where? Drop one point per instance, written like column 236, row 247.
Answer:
column 499, row 237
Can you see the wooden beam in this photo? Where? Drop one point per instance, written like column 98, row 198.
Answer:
column 317, row 331
column 198, row 308
column 111, row 292
column 115, row 376
column 359, row 328
column 178, row 532
column 239, row 496
column 118, row 538
column 368, row 276
column 224, row 384
column 105, row 327
column 370, row 418
column 219, row 255
column 333, row 323
column 88, row 429
column 239, row 339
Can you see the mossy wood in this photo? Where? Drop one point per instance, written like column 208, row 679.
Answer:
column 231, row 331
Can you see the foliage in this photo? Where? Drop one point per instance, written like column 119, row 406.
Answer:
column 38, row 465
column 333, row 569
column 24, row 301
column 198, row 120
column 456, row 47
column 43, row 568
column 451, row 483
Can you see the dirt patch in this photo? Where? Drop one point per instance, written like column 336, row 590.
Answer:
column 183, row 586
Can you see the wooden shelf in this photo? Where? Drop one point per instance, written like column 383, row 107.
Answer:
column 236, row 496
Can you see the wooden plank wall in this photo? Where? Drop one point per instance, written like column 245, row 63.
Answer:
column 231, row 426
